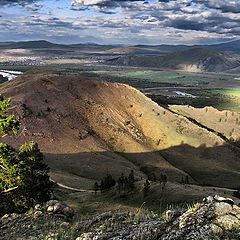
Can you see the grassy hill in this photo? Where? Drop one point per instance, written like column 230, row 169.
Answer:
column 87, row 127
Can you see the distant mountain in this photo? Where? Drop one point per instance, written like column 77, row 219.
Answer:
column 200, row 59
column 136, row 60
column 164, row 48
column 193, row 59
column 233, row 46
column 32, row 45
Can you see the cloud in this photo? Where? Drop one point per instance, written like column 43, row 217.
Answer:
column 122, row 21
column 102, row 5
column 223, row 5
column 7, row 3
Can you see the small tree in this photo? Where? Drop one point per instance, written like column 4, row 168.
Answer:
column 146, row 188
column 131, row 180
column 107, row 182
column 187, row 180
column 9, row 178
column 36, row 183
column 96, row 187
column 8, row 123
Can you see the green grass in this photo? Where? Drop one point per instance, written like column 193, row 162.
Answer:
column 228, row 92
column 156, row 76
column 230, row 99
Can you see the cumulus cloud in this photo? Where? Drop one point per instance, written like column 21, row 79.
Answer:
column 223, row 5
column 16, row 2
column 124, row 21
column 102, row 5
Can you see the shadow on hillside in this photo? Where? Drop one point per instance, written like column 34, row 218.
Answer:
column 213, row 166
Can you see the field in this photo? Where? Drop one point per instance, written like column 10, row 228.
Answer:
column 157, row 76
column 229, row 92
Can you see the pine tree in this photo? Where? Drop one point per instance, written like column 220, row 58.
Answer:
column 24, row 177
column 146, row 188
column 131, row 180
column 186, row 180
column 96, row 187
column 8, row 123
column 9, row 177
column 36, row 183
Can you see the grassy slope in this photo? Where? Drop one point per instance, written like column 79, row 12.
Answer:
column 225, row 122
column 87, row 127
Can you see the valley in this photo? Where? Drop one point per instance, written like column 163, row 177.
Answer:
column 94, row 113
column 111, row 127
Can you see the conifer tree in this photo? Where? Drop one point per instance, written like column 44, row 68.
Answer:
column 36, row 183
column 24, row 177
column 146, row 188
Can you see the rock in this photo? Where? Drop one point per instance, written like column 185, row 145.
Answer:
column 170, row 215
column 59, row 208
column 85, row 236
column 37, row 214
column 222, row 199
column 222, row 208
column 214, row 216
column 216, row 229
column 37, row 207
column 50, row 209
column 228, row 222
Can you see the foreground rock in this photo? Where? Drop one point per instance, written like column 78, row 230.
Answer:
column 213, row 218
column 60, row 209
column 48, row 221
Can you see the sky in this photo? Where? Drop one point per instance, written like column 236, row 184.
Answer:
column 120, row 21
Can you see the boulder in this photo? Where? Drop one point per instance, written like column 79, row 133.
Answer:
column 58, row 208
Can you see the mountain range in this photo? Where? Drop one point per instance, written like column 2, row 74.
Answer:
column 233, row 46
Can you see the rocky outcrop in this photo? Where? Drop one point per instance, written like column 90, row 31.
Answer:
column 47, row 221
column 58, row 208
column 214, row 216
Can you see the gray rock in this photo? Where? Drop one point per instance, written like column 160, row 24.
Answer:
column 227, row 222
column 58, row 208
column 222, row 208
column 222, row 199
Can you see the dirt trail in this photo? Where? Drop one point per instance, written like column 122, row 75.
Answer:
column 71, row 188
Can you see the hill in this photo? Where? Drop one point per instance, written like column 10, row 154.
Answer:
column 87, row 127
column 31, row 45
column 233, row 46
column 136, row 60
column 200, row 59
column 194, row 59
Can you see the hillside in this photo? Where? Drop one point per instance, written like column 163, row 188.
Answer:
column 31, row 45
column 136, row 60
column 225, row 122
column 87, row 127
column 200, row 59
column 192, row 60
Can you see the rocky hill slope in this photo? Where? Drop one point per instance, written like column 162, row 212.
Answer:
column 87, row 127
column 213, row 218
